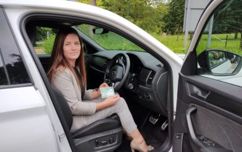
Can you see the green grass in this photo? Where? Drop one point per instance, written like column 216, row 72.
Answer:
column 115, row 42
column 174, row 42
column 109, row 40
column 45, row 46
column 112, row 41
column 220, row 42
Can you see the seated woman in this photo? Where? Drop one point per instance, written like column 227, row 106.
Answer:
column 67, row 73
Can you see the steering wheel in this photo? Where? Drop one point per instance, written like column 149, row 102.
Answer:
column 117, row 71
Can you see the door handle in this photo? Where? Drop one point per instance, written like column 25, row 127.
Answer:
column 198, row 92
column 191, row 129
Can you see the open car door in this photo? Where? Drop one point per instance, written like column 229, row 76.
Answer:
column 209, row 106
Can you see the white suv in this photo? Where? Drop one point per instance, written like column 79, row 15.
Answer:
column 204, row 114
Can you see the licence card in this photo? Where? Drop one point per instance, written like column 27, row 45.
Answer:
column 107, row 92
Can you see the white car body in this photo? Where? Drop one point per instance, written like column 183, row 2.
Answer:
column 28, row 119
column 52, row 138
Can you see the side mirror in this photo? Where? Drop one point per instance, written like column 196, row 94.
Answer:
column 218, row 62
column 99, row 30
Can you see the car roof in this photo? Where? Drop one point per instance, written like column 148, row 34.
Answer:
column 90, row 11
column 42, row 3
column 64, row 6
column 52, row 4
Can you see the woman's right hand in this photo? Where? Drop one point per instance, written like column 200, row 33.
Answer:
column 103, row 85
column 108, row 102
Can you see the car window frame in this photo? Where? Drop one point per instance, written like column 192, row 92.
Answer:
column 18, row 50
column 188, row 67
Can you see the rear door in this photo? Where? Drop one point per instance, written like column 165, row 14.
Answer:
column 25, row 124
column 209, row 108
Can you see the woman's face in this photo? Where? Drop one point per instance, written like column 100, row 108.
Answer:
column 71, row 48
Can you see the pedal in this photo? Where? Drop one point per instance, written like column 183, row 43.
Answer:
column 153, row 119
column 164, row 125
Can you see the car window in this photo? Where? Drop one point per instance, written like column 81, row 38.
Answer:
column 3, row 76
column 219, row 50
column 43, row 39
column 12, row 69
column 108, row 39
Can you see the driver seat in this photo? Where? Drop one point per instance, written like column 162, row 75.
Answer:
column 103, row 135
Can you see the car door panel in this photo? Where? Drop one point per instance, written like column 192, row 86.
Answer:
column 211, row 92
column 25, row 122
column 216, row 131
column 209, row 116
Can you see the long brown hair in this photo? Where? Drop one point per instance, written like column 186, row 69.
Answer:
column 58, row 59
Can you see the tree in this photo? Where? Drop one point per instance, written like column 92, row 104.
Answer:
column 174, row 18
column 84, row 1
column 93, row 2
column 228, row 20
column 140, row 12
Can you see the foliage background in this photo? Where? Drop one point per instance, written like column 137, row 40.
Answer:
column 161, row 18
column 164, row 20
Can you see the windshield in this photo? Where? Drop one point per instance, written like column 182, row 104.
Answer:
column 108, row 40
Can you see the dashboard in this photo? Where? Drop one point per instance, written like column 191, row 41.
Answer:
column 147, row 80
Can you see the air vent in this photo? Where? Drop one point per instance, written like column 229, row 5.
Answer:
column 151, row 77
